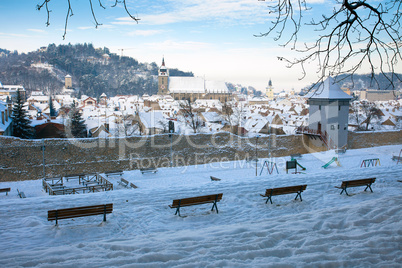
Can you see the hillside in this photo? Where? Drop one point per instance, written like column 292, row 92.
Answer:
column 94, row 70
column 326, row 229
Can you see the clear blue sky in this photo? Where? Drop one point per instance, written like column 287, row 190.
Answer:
column 211, row 38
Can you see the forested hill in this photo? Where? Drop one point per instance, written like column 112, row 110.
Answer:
column 94, row 70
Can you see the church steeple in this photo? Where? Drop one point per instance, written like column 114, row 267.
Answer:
column 163, row 79
column 269, row 90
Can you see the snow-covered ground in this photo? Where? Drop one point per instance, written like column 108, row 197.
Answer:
column 326, row 229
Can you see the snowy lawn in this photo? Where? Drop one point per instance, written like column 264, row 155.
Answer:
column 326, row 229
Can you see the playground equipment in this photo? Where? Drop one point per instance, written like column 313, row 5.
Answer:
column 397, row 158
column 334, row 159
column 368, row 162
column 270, row 167
column 292, row 164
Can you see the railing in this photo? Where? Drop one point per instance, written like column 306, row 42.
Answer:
column 324, row 136
column 55, row 186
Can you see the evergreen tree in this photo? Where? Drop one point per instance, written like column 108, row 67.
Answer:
column 77, row 123
column 52, row 111
column 21, row 124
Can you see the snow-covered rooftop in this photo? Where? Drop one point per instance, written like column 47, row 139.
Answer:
column 196, row 85
column 329, row 90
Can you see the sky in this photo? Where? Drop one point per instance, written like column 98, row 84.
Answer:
column 213, row 39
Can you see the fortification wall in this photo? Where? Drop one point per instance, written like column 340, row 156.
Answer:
column 26, row 159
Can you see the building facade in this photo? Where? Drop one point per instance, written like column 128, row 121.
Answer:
column 190, row 88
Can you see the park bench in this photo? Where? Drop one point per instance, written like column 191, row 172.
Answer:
column 214, row 178
column 5, row 190
column 284, row 190
column 133, row 186
column 148, row 170
column 68, row 213
column 184, row 202
column 21, row 194
column 356, row 183
column 123, row 182
column 114, row 173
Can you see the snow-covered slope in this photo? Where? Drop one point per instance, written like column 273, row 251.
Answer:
column 325, row 229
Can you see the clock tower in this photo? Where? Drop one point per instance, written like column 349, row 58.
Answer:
column 163, row 79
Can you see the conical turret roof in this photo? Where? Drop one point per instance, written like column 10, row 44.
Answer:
column 329, row 90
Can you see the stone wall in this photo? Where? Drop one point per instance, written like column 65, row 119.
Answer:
column 23, row 159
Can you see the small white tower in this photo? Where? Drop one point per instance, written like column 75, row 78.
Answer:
column 328, row 114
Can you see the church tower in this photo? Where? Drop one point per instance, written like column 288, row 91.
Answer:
column 163, row 79
column 269, row 90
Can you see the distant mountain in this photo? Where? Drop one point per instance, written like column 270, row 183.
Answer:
column 364, row 81
column 94, row 70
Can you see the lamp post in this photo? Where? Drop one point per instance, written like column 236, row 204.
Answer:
column 171, row 149
column 256, row 154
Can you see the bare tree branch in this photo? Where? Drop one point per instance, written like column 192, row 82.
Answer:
column 46, row 3
column 354, row 35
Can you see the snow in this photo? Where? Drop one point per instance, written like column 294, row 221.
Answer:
column 329, row 90
column 325, row 229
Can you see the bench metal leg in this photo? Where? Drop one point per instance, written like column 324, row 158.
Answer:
column 299, row 194
column 369, row 186
column 178, row 209
column 268, row 199
column 214, row 205
column 344, row 190
column 104, row 213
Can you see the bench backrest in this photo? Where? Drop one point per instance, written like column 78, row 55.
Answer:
column 124, row 181
column 5, row 190
column 215, row 178
column 285, row 190
column 360, row 182
column 197, row 200
column 68, row 213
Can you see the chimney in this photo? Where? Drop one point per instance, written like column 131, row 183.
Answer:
column 2, row 117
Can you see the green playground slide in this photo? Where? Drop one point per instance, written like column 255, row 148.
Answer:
column 330, row 162
column 303, row 168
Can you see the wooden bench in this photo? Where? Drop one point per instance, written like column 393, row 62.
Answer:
column 184, row 202
column 21, row 194
column 356, row 183
column 284, row 190
column 5, row 190
column 148, row 170
column 113, row 173
column 123, row 182
column 133, row 186
column 214, row 178
column 68, row 213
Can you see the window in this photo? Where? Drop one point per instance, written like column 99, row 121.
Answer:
column 339, row 108
column 319, row 107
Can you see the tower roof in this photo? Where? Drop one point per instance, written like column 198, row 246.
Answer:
column 329, row 90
